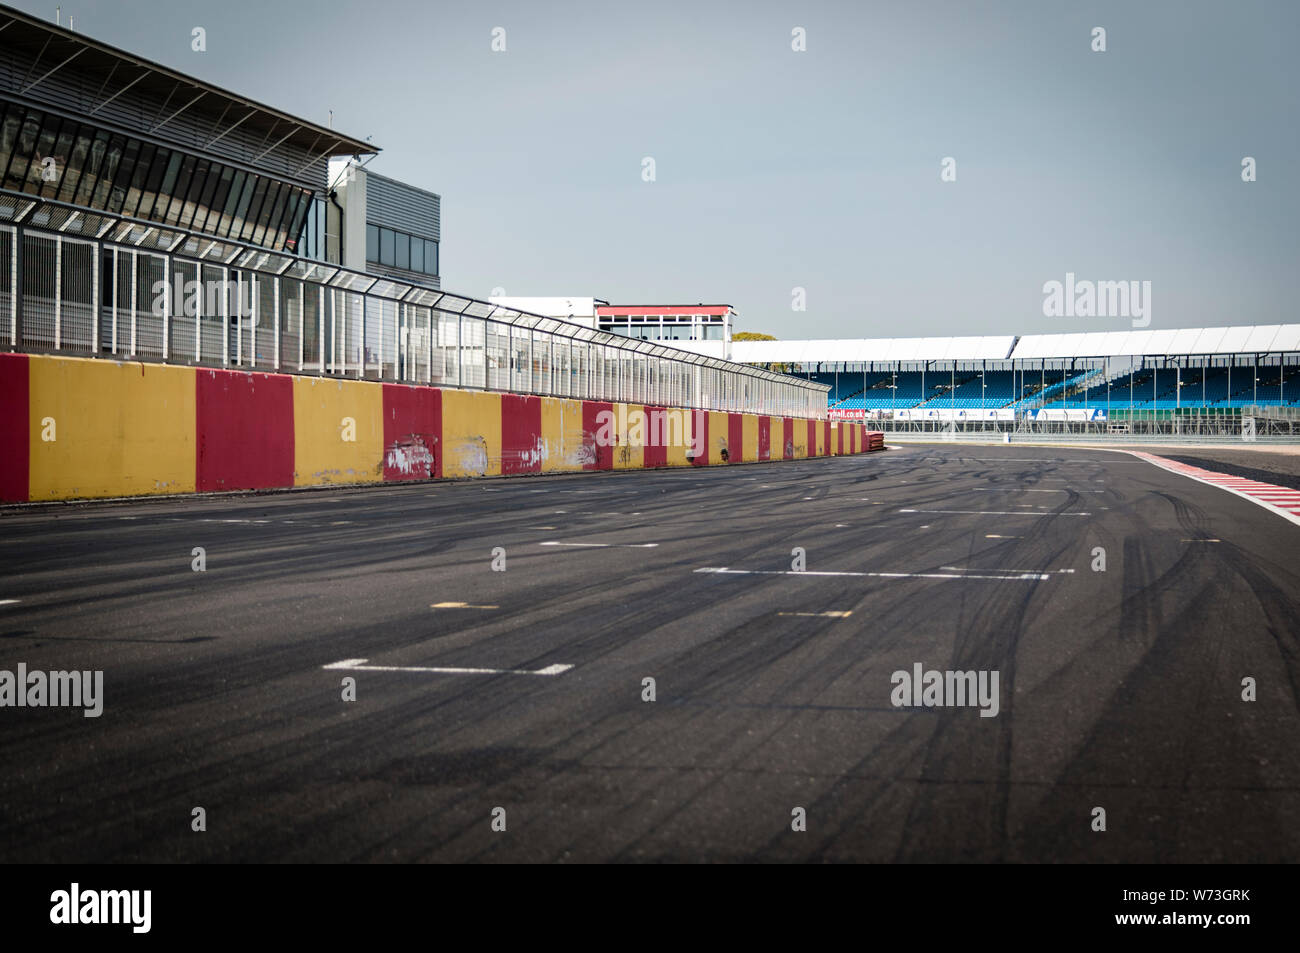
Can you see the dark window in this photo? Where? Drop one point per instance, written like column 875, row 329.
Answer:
column 387, row 246
column 417, row 254
column 372, row 243
column 431, row 258
column 232, row 201
column 139, row 179
column 298, row 220
column 45, row 150
column 112, row 159
column 62, row 151
column 23, row 149
column 157, row 171
column 217, row 203
column 203, row 201
column 76, row 160
column 171, row 196
column 255, row 207
column 13, row 118
column 266, row 217
column 240, row 194
column 125, row 171
column 94, row 162
column 187, row 188
column 403, row 250
column 254, row 190
column 275, row 222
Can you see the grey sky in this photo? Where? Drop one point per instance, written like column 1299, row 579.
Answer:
column 820, row 169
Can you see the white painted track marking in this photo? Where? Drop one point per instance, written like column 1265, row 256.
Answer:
column 358, row 665
column 1017, row 489
column 603, row 545
column 991, row 513
column 724, row 571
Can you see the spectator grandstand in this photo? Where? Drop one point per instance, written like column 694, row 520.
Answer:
column 1220, row 369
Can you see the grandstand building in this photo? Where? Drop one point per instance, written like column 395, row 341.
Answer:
column 1117, row 377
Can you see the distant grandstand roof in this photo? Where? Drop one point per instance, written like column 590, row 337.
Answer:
column 1248, row 339
column 995, row 348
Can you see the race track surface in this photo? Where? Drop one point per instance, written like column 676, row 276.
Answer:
column 1119, row 689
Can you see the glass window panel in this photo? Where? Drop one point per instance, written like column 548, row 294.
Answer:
column 203, row 197
column 13, row 120
column 191, row 200
column 303, row 217
column 157, row 171
column 94, row 161
column 217, row 203
column 417, row 255
column 296, row 223
column 24, row 147
column 430, row 258
column 45, row 149
column 76, row 160
column 284, row 217
column 254, row 192
column 112, row 159
column 139, row 179
column 172, row 210
column 125, row 173
column 241, row 190
column 403, row 250
column 260, row 193
column 372, row 242
column 272, row 209
column 387, row 246
column 166, row 187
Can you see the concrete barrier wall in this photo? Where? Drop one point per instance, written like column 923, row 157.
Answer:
column 73, row 428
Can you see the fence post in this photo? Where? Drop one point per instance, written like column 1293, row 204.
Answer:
column 167, row 305
column 58, row 292
column 275, row 334
column 95, row 252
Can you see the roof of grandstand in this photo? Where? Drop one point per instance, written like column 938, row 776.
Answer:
column 1246, row 339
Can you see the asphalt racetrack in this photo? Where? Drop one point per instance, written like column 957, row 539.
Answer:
column 223, row 689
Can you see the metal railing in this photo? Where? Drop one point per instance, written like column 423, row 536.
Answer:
column 82, row 283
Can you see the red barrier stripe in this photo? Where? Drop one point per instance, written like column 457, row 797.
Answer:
column 15, row 435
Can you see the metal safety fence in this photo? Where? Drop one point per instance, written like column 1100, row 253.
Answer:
column 82, row 283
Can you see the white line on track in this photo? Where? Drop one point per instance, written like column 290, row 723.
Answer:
column 1017, row 489
column 1039, row 571
column 991, row 513
column 7, row 602
column 828, row 615
column 358, row 665
column 603, row 545
column 725, row 571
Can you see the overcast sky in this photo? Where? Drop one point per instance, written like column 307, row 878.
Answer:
column 777, row 169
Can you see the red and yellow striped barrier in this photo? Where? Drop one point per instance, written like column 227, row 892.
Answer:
column 74, row 428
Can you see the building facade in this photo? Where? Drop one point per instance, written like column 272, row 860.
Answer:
column 698, row 328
